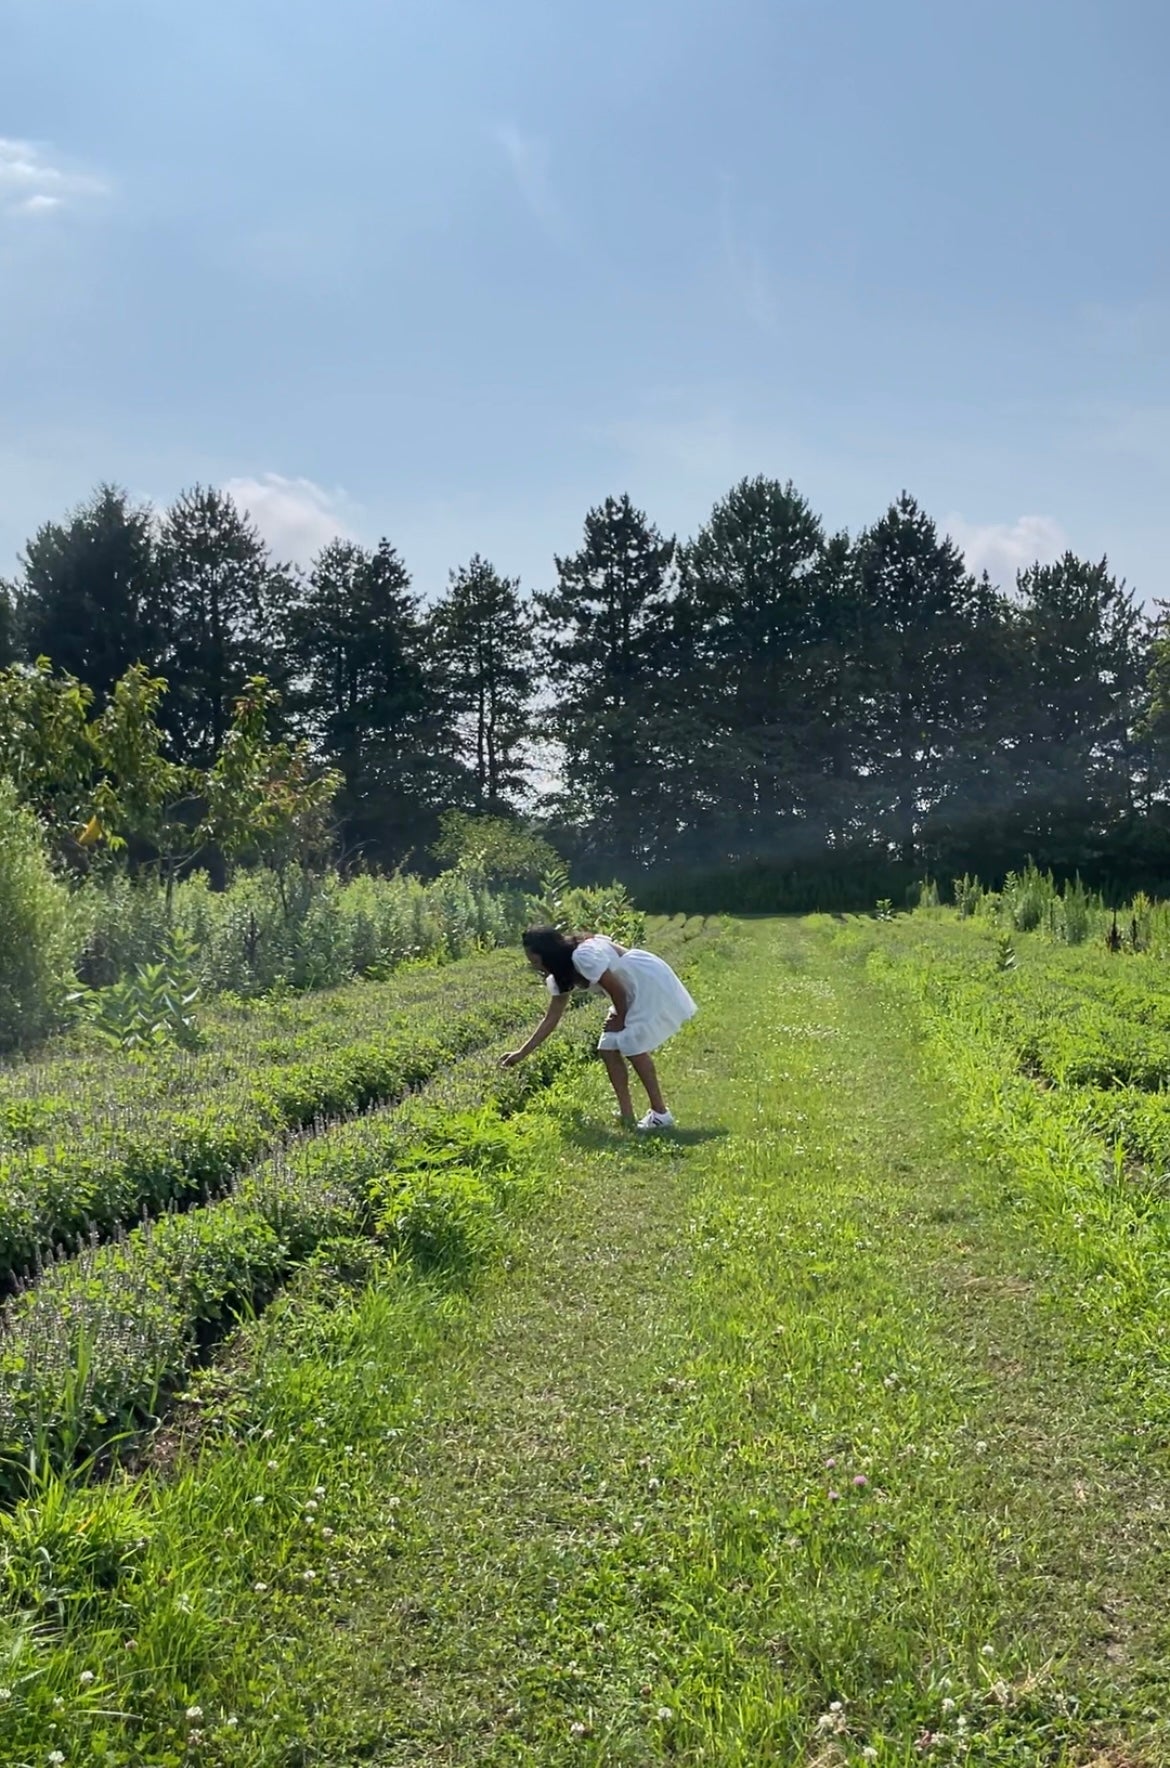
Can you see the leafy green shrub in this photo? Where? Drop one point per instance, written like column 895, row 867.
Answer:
column 152, row 1008
column 48, row 1196
column 35, row 932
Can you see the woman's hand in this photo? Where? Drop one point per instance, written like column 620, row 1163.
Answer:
column 512, row 1059
column 614, row 1021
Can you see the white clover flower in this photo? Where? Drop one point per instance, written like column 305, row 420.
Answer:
column 5, row 1694
column 86, row 1678
column 56, row 1758
column 665, row 1714
column 949, row 1704
column 309, row 1577
column 259, row 1588
column 311, row 1504
column 194, row 1713
column 576, row 1729
column 274, row 1467
column 327, row 1534
column 869, row 1754
column 259, row 1498
column 318, row 1491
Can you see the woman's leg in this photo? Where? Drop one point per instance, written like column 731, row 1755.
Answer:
column 619, row 1080
column 648, row 1075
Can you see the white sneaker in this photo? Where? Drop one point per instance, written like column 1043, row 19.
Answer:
column 657, row 1120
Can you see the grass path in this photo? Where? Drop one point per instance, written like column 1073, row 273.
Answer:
column 768, row 1450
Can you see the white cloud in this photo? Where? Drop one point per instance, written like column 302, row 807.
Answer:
column 295, row 516
column 32, row 182
column 528, row 158
column 1003, row 548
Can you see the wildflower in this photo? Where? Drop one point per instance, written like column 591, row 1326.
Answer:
column 86, row 1678
column 259, row 1588
column 266, row 1436
column 859, row 1479
column 309, row 1577
column 834, row 1496
column 949, row 1705
column 259, row 1498
column 56, row 1757
column 831, row 1462
column 664, row 1715
column 5, row 1694
column 989, row 1651
column 654, row 1484
column 318, row 1491
column 869, row 1754
column 311, row 1504
column 327, row 1534
column 981, row 1448
column 576, row 1729
column 274, row 1467
column 231, row 1721
column 194, row 1713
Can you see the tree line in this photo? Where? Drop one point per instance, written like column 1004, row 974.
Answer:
column 766, row 691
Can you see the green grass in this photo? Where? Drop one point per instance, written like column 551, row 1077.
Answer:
column 785, row 1440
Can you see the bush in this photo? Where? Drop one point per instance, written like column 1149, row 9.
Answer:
column 35, row 932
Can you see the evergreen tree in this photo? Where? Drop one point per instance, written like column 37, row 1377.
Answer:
column 7, row 626
column 1085, row 658
column 919, row 603
column 483, row 641
column 88, row 596
column 225, row 602
column 367, row 696
column 606, row 634
column 758, row 611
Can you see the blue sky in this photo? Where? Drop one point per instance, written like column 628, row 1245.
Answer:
column 453, row 270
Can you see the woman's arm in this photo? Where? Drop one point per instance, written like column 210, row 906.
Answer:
column 615, row 989
column 554, row 1013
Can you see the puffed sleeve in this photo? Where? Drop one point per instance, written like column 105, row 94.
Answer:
column 592, row 958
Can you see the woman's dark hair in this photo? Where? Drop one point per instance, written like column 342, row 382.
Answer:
column 555, row 951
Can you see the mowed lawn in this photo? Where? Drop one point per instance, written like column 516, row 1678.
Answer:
column 772, row 1447
column 773, row 1441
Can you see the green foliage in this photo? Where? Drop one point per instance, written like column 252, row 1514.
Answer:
column 266, row 802
column 596, row 909
column 493, row 849
column 35, row 934
column 194, row 1125
column 153, row 1008
column 484, row 634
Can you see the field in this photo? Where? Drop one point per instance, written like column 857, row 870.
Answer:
column 366, row 1403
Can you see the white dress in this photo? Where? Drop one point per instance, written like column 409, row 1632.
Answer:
column 657, row 1004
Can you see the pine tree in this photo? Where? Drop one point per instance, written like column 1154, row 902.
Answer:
column 918, row 615
column 366, row 694
column 7, row 626
column 484, row 646
column 1084, row 661
column 225, row 602
column 88, row 595
column 755, row 588
column 606, row 629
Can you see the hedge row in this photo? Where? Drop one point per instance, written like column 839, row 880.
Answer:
column 89, row 1351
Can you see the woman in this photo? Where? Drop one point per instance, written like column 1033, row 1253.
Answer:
column 649, row 1004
